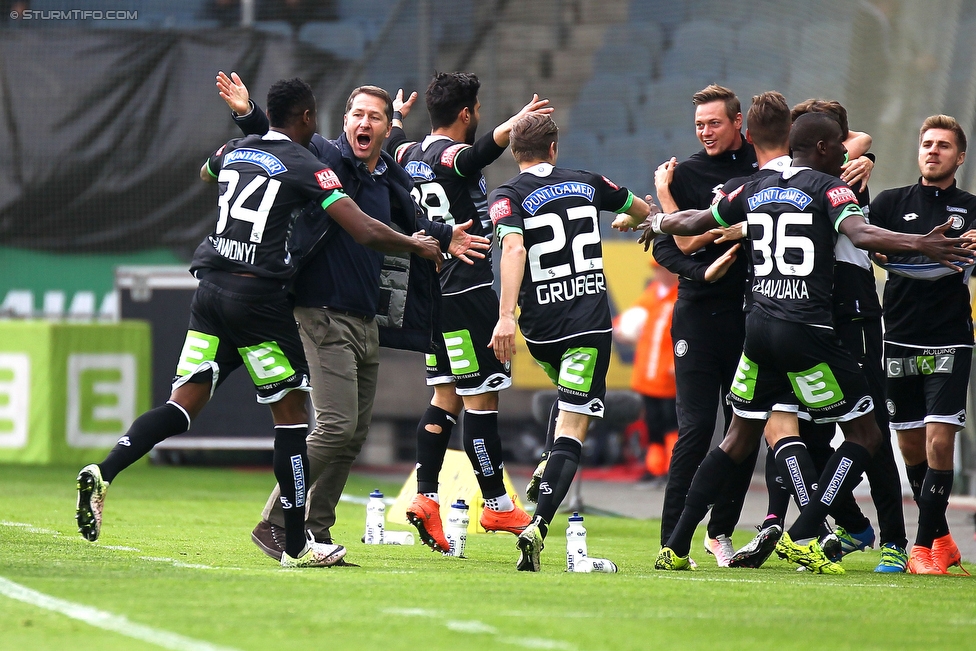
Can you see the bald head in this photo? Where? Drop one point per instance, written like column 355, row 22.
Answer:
column 812, row 128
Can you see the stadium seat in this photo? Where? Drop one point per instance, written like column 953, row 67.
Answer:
column 344, row 39
column 762, row 51
column 668, row 13
column 603, row 117
column 578, row 149
column 700, row 48
column 276, row 27
column 632, row 59
column 822, row 60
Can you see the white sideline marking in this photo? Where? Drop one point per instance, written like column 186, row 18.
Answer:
column 30, row 528
column 105, row 620
column 480, row 628
column 671, row 576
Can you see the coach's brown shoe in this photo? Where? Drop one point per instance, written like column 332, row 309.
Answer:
column 270, row 539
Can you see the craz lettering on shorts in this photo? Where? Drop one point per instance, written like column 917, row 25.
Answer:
column 566, row 290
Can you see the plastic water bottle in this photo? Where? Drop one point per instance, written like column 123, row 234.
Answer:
column 575, row 544
column 599, row 565
column 456, row 529
column 375, row 517
column 397, row 538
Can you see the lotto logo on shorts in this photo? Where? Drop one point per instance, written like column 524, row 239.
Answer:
column 841, row 195
column 328, row 180
column 816, row 387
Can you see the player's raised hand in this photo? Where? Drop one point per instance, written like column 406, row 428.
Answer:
column 946, row 250
column 503, row 131
column 857, row 171
column 503, row 338
column 233, row 91
column 465, row 246
column 720, row 267
column 404, row 106
column 430, row 248
column 728, row 234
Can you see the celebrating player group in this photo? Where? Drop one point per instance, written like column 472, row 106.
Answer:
column 770, row 230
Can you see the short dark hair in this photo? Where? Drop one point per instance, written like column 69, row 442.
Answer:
column 946, row 122
column 448, row 93
column 532, row 136
column 716, row 93
column 375, row 91
column 811, row 128
column 288, row 99
column 769, row 120
column 831, row 107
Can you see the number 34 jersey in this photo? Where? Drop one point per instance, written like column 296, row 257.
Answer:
column 793, row 220
column 557, row 211
column 264, row 182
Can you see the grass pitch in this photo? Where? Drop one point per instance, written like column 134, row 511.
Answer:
column 175, row 568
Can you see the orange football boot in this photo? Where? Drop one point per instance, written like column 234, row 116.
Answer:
column 425, row 514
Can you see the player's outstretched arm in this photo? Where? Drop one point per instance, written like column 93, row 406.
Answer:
column 376, row 235
column 512, row 268
column 934, row 244
column 233, row 91
column 636, row 214
column 685, row 222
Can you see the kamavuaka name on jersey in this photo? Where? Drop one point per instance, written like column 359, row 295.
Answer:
column 547, row 193
column 792, row 196
column 567, row 290
column 234, row 250
column 268, row 162
column 784, row 288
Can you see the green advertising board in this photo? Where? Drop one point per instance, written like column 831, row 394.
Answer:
column 68, row 391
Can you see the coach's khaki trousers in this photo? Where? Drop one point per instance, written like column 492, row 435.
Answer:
column 343, row 359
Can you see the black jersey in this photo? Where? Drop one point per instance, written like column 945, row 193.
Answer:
column 453, row 197
column 265, row 181
column 564, row 291
column 697, row 184
column 926, row 312
column 793, row 219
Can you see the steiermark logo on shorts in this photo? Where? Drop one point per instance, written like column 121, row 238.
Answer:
column 816, row 387
column 15, row 387
column 744, row 380
column 266, row 363
column 101, row 398
column 197, row 349
column 460, row 352
column 576, row 369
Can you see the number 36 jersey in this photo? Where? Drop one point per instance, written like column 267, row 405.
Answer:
column 264, row 182
column 557, row 211
column 793, row 220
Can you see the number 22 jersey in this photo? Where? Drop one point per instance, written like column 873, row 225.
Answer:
column 557, row 211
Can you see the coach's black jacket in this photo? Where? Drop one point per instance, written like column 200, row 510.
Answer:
column 408, row 313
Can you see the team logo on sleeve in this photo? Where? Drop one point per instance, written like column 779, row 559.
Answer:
column 328, row 180
column 840, row 196
column 955, row 222
column 447, row 158
column 500, row 210
column 220, row 151
column 610, row 183
column 735, row 192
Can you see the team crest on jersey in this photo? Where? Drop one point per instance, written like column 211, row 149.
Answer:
column 792, row 196
column 538, row 198
column 680, row 348
column 840, row 196
column 610, row 183
column 956, row 222
column 268, row 162
column 328, row 180
column 447, row 158
column 500, row 210
column 418, row 169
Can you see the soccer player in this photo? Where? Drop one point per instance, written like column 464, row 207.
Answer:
column 929, row 337
column 240, row 314
column 791, row 355
column 446, row 169
column 708, row 302
column 857, row 321
column 547, row 223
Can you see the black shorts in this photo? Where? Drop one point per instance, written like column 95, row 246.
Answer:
column 239, row 320
column 578, row 367
column 467, row 323
column 785, row 365
column 927, row 384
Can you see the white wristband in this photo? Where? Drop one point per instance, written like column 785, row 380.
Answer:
column 656, row 223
